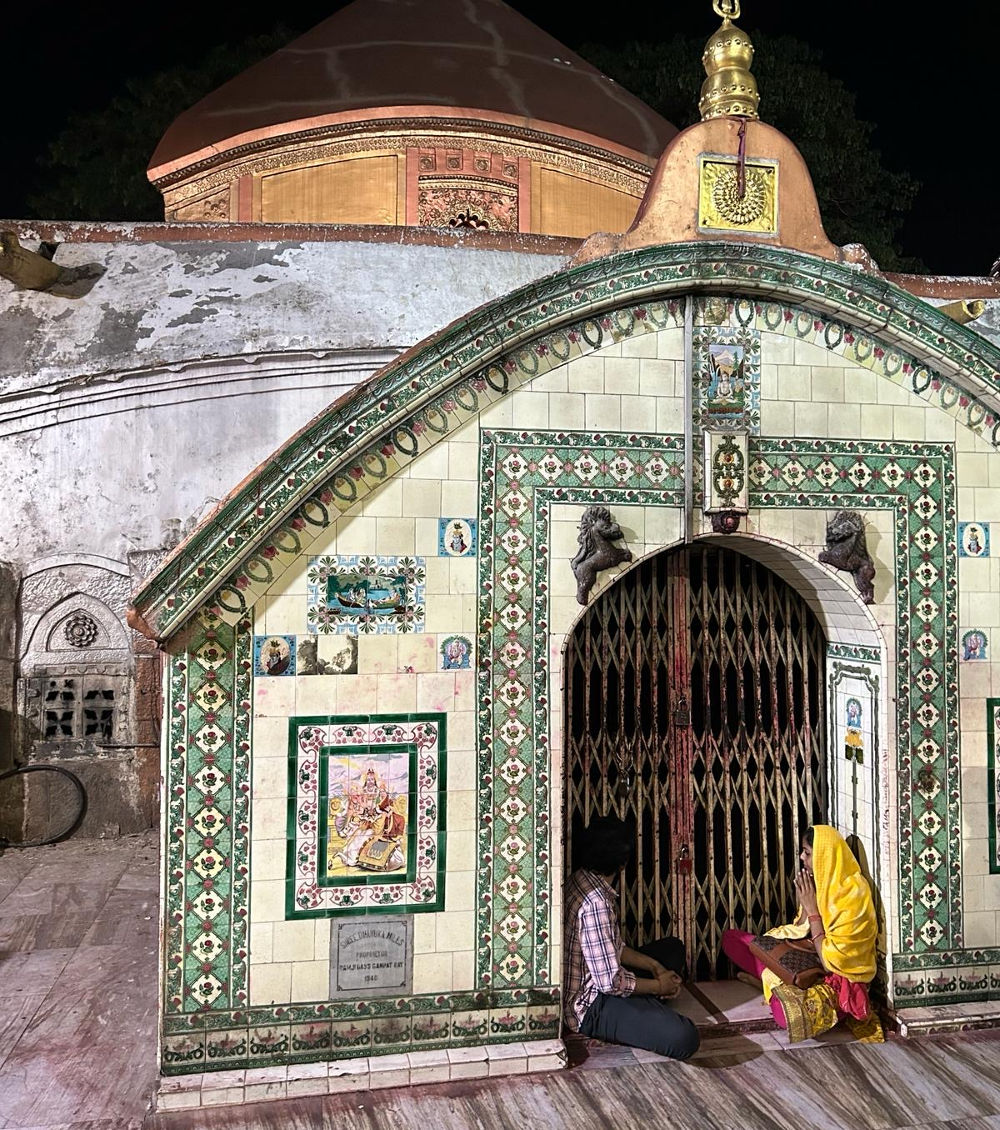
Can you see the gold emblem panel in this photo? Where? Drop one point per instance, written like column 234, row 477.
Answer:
column 722, row 206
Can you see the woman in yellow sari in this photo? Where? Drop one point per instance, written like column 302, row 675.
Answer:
column 836, row 912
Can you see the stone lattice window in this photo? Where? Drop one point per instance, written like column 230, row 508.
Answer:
column 71, row 708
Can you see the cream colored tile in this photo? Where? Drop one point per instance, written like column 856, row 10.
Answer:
column 567, row 410
column 563, row 613
column 621, row 376
column 642, row 343
column 860, row 385
column 908, row 423
column 794, row 382
column 462, row 498
column 310, row 981
column 378, row 654
column 432, row 973
column 461, row 890
column 396, row 694
column 657, row 378
column 845, row 421
column 470, row 614
column 769, row 382
column 556, row 380
column 356, row 535
column 776, row 349
column 662, row 525
column 463, row 970
column 462, row 574
column 888, row 392
column 270, row 737
column 876, row 421
column 531, row 410
column 396, row 536
column 777, row 419
column 461, row 810
column 499, row 414
column 270, row 984
column 669, row 415
column 973, row 468
column 461, row 734
column 270, row 777
column 456, row 930
column 430, row 464
column 463, row 461
column 424, row 933
column 436, row 692
column 422, row 499
column 437, row 572
column 975, row 681
column 267, row 857
column 294, row 941
column 974, row 749
column 807, row 353
column 267, row 900
column 586, row 374
column 811, row 419
column 670, row 345
column 274, row 697
column 261, row 943
column 603, row 413
column 417, row 653
column 385, row 501
column 939, row 427
column 285, row 614
column 979, row 929
column 318, row 694
column 426, row 535
column 443, row 613
column 461, row 851
column 635, row 414
column 563, row 538
column 975, row 822
column 828, row 383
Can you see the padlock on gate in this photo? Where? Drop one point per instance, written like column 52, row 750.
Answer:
column 684, row 861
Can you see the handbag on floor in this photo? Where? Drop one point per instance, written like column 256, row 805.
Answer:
column 794, row 960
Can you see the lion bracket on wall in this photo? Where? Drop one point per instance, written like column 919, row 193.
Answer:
column 596, row 553
column 847, row 549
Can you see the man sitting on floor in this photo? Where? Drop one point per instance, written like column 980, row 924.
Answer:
column 605, row 1000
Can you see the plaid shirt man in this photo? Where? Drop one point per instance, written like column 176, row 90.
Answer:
column 593, row 946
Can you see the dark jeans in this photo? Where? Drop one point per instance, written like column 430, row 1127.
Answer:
column 645, row 1022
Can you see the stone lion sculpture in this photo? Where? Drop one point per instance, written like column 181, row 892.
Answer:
column 596, row 553
column 846, row 549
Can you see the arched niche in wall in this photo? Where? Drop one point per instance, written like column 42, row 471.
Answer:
column 76, row 668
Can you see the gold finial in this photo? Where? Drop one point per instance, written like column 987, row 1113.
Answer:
column 730, row 89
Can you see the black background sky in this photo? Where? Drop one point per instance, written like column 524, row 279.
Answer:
column 921, row 74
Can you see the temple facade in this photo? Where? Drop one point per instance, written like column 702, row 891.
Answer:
column 692, row 521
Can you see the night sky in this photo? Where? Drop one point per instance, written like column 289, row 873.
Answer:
column 922, row 80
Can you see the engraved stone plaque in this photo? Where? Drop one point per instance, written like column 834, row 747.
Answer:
column 371, row 956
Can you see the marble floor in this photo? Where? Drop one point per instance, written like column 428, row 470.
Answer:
column 77, row 1042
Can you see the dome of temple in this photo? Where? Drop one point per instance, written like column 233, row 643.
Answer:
column 421, row 70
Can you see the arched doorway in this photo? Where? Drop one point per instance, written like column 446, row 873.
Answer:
column 695, row 708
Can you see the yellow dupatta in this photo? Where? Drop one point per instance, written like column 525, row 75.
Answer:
column 845, row 903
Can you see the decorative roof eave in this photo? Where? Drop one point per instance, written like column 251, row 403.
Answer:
column 231, row 536
column 373, row 119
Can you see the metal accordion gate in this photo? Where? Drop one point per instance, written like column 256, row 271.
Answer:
column 695, row 709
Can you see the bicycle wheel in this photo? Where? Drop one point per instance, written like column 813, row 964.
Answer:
column 45, row 802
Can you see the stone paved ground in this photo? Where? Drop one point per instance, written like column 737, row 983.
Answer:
column 78, row 983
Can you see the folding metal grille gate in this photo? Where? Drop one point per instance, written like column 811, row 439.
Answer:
column 694, row 707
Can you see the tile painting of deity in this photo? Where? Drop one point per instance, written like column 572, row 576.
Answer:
column 853, row 713
column 274, row 655
column 456, row 653
column 726, row 379
column 724, row 395
column 367, row 818
column 974, row 645
column 973, row 539
column 457, row 537
column 368, row 815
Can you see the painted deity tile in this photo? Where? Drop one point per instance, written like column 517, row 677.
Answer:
column 726, row 378
column 457, row 537
column 365, row 593
column 274, row 655
column 973, row 539
column 456, row 653
column 368, row 817
column 975, row 644
column 326, row 655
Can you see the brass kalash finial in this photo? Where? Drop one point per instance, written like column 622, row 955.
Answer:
column 730, row 89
